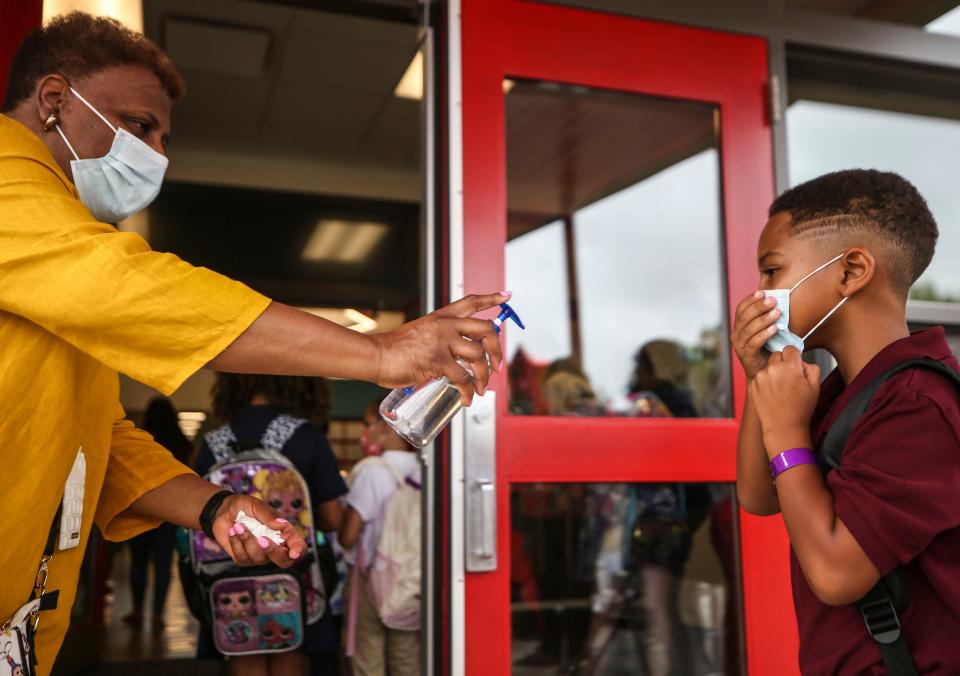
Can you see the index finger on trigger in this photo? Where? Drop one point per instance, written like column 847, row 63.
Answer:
column 474, row 303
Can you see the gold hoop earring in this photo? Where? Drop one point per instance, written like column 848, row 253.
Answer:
column 50, row 122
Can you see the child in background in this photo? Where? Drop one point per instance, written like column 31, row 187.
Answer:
column 837, row 259
column 249, row 403
column 378, row 649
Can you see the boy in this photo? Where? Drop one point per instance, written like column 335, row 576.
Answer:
column 848, row 246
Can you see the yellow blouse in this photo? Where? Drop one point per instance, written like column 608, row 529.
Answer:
column 79, row 302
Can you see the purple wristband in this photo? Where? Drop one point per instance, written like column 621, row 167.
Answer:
column 791, row 458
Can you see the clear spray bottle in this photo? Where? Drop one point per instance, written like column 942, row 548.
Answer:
column 420, row 413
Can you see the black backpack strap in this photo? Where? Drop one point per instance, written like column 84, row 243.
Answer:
column 831, row 450
column 222, row 442
column 280, row 430
column 880, row 608
column 881, row 605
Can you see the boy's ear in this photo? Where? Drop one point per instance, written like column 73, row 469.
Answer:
column 859, row 267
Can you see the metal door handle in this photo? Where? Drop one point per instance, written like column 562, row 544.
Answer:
column 486, row 548
column 480, row 472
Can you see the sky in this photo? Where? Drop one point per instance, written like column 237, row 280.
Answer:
column 825, row 137
column 648, row 257
column 648, row 267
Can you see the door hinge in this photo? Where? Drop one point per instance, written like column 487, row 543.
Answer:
column 775, row 107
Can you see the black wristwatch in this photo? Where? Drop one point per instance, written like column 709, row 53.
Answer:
column 209, row 512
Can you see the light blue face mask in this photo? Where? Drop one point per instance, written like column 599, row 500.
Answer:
column 123, row 181
column 784, row 337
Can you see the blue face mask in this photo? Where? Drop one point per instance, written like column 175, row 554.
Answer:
column 784, row 337
column 123, row 181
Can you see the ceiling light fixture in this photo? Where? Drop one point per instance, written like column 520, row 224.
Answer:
column 340, row 241
column 411, row 84
column 361, row 322
column 381, row 321
column 350, row 318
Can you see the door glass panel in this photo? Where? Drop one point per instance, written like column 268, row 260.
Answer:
column 614, row 254
column 624, row 578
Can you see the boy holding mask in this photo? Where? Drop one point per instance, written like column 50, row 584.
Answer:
column 837, row 259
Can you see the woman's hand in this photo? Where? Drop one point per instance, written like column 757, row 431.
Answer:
column 753, row 324
column 430, row 347
column 243, row 547
column 785, row 395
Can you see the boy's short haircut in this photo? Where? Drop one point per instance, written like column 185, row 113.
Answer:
column 76, row 45
column 867, row 207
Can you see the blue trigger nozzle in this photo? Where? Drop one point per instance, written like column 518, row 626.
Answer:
column 507, row 312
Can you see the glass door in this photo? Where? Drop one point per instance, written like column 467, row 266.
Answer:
column 615, row 176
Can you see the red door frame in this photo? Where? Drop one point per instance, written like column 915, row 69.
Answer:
column 532, row 40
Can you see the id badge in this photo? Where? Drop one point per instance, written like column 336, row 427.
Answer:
column 72, row 516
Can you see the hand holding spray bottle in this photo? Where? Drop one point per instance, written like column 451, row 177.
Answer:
column 420, row 413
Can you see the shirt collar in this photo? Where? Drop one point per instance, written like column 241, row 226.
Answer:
column 17, row 140
column 835, row 395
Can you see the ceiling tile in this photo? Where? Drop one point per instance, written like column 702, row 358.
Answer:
column 330, row 148
column 216, row 96
column 329, row 110
column 213, row 48
column 230, row 12
column 348, row 27
column 347, row 62
column 391, row 152
column 228, row 134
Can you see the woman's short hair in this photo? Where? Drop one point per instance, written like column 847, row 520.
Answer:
column 76, row 45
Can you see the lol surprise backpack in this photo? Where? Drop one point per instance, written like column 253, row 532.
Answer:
column 260, row 610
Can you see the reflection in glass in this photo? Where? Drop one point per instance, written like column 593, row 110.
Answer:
column 623, row 578
column 825, row 137
column 614, row 253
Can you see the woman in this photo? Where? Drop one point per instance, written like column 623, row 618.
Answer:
column 249, row 404
column 83, row 133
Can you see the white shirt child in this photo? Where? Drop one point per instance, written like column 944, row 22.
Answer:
column 371, row 489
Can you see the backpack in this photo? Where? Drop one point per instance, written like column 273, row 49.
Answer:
column 262, row 609
column 881, row 605
column 392, row 576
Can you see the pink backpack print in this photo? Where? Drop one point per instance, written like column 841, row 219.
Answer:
column 260, row 610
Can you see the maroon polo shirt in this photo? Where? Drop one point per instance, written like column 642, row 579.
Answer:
column 898, row 491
